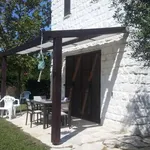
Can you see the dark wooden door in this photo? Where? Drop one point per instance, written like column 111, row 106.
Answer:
column 81, row 84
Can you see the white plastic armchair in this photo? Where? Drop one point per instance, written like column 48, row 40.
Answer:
column 25, row 95
column 8, row 105
column 16, row 105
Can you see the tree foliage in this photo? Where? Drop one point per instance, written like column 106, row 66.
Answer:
column 20, row 21
column 135, row 14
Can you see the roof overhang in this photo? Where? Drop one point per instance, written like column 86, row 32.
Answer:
column 70, row 38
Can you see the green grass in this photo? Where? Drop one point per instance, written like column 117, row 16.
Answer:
column 13, row 138
column 23, row 107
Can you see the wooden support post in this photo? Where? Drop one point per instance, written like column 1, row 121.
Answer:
column 56, row 94
column 3, row 77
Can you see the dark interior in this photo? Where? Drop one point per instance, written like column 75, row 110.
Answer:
column 81, row 85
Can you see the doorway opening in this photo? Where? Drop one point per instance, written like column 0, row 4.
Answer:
column 85, row 99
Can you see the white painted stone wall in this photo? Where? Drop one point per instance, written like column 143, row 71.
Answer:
column 84, row 14
column 125, row 84
column 125, row 91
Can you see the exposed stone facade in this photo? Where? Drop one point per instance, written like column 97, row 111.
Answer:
column 125, row 84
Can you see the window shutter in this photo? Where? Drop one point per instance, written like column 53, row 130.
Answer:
column 66, row 7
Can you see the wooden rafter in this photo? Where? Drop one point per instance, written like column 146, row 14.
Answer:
column 82, row 34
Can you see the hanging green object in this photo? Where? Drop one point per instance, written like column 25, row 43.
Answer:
column 41, row 65
column 41, row 62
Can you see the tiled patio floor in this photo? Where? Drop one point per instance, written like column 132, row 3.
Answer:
column 82, row 133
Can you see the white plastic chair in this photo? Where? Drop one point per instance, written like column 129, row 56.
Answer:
column 15, row 106
column 8, row 106
column 25, row 95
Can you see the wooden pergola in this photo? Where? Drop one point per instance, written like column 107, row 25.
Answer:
column 55, row 40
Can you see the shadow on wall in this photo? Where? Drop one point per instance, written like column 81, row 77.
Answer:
column 109, row 70
column 138, row 113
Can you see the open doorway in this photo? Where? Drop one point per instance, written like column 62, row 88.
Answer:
column 85, row 101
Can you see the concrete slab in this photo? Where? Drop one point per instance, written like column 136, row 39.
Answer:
column 83, row 134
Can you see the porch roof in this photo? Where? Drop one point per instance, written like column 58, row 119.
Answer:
column 70, row 38
column 57, row 40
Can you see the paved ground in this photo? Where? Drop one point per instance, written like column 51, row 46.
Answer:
column 84, row 135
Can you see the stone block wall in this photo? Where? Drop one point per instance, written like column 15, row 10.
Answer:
column 125, row 94
column 84, row 14
column 125, row 84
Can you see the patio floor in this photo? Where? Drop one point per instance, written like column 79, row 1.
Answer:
column 83, row 134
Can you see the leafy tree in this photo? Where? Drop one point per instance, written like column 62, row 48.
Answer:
column 21, row 20
column 20, row 70
column 135, row 14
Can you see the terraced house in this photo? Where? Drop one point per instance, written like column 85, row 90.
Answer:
column 109, row 86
